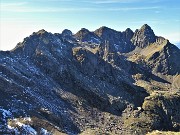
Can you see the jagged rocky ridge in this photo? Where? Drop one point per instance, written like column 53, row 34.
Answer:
column 110, row 81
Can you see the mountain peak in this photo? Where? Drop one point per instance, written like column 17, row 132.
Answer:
column 41, row 32
column 66, row 32
column 84, row 30
column 102, row 31
column 145, row 26
column 146, row 29
column 85, row 35
column 128, row 34
column 144, row 36
column 128, row 30
column 104, row 28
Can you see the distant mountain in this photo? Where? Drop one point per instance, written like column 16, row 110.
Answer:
column 97, row 82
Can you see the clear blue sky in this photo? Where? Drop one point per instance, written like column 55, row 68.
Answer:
column 19, row 18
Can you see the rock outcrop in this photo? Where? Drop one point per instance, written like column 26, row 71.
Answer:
column 144, row 36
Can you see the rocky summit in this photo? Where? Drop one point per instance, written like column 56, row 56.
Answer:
column 92, row 82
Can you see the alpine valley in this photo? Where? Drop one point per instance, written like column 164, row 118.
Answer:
column 92, row 82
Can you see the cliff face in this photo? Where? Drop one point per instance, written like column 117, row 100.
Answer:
column 91, row 80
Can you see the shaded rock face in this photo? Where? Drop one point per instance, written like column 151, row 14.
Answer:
column 66, row 32
column 166, row 60
column 128, row 34
column 119, row 42
column 90, row 80
column 144, row 36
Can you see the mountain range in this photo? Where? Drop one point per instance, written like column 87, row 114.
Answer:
column 92, row 82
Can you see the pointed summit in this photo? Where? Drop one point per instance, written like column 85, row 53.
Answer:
column 85, row 35
column 103, row 31
column 83, row 31
column 40, row 32
column 66, row 32
column 128, row 30
column 144, row 36
column 128, row 34
column 81, row 34
column 145, row 26
column 147, row 31
column 104, row 28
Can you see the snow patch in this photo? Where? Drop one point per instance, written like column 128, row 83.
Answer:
column 29, row 129
column 19, row 124
column 116, row 46
column 26, row 128
column 27, row 119
column 6, row 113
column 44, row 132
